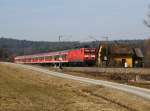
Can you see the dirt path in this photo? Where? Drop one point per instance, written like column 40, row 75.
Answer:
column 24, row 89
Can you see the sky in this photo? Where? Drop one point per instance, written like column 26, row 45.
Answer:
column 79, row 20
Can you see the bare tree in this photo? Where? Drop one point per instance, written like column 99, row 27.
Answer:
column 147, row 53
column 147, row 19
column 147, row 42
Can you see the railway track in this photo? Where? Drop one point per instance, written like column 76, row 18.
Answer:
column 145, row 93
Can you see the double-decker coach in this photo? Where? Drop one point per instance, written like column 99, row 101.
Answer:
column 85, row 56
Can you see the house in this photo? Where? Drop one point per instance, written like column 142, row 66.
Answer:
column 138, row 58
column 119, row 55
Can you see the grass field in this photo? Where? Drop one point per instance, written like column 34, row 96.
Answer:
column 109, row 77
column 26, row 90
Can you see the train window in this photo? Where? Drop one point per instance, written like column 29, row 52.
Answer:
column 53, row 57
column 86, row 51
column 64, row 56
column 56, row 57
column 48, row 58
column 35, row 59
column 92, row 50
column 41, row 58
column 89, row 51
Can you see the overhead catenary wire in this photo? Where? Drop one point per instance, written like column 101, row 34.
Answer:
column 110, row 35
column 103, row 37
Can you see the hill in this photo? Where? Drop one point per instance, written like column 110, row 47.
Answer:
column 21, row 47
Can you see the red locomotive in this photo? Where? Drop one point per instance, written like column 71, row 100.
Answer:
column 80, row 56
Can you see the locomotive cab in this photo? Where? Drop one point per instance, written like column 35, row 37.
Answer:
column 89, row 56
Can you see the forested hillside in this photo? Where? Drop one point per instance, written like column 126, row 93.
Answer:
column 21, row 47
column 12, row 47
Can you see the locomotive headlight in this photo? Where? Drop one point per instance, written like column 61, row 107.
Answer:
column 86, row 55
column 92, row 55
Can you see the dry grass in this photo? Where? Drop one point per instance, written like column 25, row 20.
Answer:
column 26, row 90
column 108, row 77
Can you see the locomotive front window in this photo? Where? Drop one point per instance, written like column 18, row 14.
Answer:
column 86, row 51
column 92, row 51
column 89, row 51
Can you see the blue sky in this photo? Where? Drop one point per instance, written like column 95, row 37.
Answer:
column 73, row 19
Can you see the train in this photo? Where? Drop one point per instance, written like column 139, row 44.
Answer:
column 81, row 56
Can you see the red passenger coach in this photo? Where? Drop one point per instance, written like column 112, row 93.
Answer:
column 75, row 56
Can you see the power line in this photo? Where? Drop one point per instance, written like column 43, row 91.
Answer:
column 96, row 38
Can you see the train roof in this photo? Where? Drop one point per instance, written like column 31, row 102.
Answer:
column 44, row 54
column 49, row 53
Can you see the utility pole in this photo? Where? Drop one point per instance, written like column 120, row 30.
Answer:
column 106, row 38
column 60, row 57
column 106, row 53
